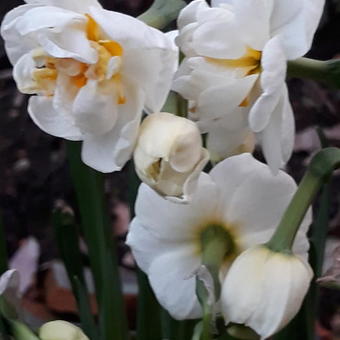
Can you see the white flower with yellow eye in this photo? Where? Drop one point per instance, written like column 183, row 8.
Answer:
column 92, row 72
column 169, row 155
column 240, row 197
column 236, row 57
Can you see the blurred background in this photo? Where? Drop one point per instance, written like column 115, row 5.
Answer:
column 34, row 178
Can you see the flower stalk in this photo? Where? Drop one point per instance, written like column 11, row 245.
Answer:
column 162, row 13
column 319, row 170
column 216, row 244
column 325, row 71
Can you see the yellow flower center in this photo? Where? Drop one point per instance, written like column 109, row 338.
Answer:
column 106, row 71
column 248, row 64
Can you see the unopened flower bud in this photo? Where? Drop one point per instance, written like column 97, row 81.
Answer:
column 61, row 330
column 169, row 155
column 264, row 289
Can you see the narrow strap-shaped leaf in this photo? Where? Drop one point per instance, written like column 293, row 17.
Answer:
column 101, row 247
column 21, row 331
column 68, row 243
column 148, row 313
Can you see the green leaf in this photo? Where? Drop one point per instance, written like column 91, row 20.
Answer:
column 21, row 331
column 68, row 243
column 101, row 246
column 149, row 311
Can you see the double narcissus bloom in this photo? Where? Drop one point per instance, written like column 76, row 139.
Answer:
column 265, row 289
column 169, row 155
column 91, row 72
column 240, row 196
column 235, row 65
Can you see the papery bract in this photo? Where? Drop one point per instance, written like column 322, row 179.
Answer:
column 169, row 155
column 92, row 72
column 265, row 289
column 240, row 195
column 236, row 58
column 61, row 330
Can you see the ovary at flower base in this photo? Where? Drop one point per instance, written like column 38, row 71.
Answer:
column 236, row 58
column 91, row 71
column 169, row 155
column 240, row 199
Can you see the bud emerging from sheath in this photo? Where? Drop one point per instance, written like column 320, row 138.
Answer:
column 61, row 330
column 169, row 155
column 264, row 289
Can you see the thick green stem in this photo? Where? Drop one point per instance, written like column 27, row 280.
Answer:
column 327, row 72
column 216, row 245
column 162, row 13
column 319, row 170
column 101, row 246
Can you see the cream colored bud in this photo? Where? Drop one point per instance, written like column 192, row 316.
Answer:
column 264, row 289
column 169, row 155
column 61, row 330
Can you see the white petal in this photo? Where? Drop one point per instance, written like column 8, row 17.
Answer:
column 254, row 220
column 189, row 14
column 284, row 286
column 61, row 33
column 110, row 152
column 153, row 71
column 295, row 23
column 149, row 56
column 272, row 79
column 173, row 221
column 72, row 5
column 219, row 39
column 277, row 139
column 55, row 123
column 218, row 101
column 175, row 286
column 254, row 28
column 216, row 3
column 16, row 45
column 23, row 72
column 223, row 142
column 95, row 113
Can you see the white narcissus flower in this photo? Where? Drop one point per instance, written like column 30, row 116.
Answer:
column 240, row 196
column 265, row 289
column 169, row 155
column 92, row 72
column 61, row 330
column 236, row 57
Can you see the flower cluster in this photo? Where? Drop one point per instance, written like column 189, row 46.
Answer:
column 93, row 73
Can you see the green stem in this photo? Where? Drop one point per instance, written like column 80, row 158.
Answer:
column 162, row 13
column 327, row 72
column 101, row 246
column 216, row 245
column 319, row 170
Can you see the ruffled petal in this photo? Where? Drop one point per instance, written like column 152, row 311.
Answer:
column 22, row 74
column 55, row 123
column 272, row 80
column 173, row 221
column 72, row 5
column 110, row 152
column 295, row 23
column 59, row 32
column 95, row 113
column 189, row 14
column 174, row 287
column 11, row 36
